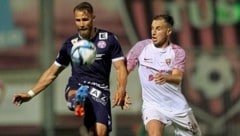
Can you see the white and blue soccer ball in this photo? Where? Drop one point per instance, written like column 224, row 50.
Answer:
column 83, row 53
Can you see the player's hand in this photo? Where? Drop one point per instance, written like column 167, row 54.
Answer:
column 20, row 98
column 127, row 102
column 119, row 98
column 159, row 78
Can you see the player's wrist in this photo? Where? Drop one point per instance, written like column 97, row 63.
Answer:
column 122, row 90
column 31, row 93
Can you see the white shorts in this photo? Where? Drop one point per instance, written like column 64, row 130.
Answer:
column 184, row 124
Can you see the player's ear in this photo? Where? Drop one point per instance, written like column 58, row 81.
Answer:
column 169, row 31
column 93, row 17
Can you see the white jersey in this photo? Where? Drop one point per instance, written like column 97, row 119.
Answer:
column 151, row 60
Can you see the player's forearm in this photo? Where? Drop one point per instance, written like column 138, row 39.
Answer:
column 47, row 78
column 175, row 79
column 44, row 81
column 122, row 79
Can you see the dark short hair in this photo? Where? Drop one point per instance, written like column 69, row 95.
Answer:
column 84, row 6
column 168, row 19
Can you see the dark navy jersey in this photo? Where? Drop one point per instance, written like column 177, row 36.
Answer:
column 108, row 50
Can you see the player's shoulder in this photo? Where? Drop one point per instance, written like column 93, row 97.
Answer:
column 100, row 31
column 143, row 43
column 140, row 45
column 103, row 34
column 177, row 48
column 71, row 39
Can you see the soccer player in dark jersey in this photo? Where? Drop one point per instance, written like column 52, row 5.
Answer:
column 97, row 107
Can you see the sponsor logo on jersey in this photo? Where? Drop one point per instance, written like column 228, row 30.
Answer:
column 150, row 77
column 96, row 93
column 148, row 60
column 98, row 96
column 99, row 56
column 103, row 36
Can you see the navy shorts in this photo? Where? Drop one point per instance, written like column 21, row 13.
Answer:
column 97, row 105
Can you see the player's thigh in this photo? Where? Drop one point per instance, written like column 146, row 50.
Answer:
column 101, row 129
column 186, row 124
column 71, row 88
column 98, row 110
column 152, row 113
column 155, row 128
column 98, row 129
column 154, row 120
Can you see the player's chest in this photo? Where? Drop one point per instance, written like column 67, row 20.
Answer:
column 156, row 58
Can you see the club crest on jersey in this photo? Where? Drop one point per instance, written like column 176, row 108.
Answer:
column 101, row 44
column 103, row 36
column 168, row 61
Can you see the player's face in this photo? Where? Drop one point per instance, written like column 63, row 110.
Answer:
column 84, row 23
column 160, row 32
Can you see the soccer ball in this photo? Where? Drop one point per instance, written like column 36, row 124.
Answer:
column 83, row 53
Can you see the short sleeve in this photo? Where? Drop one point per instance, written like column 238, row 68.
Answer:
column 180, row 58
column 134, row 53
column 116, row 50
column 63, row 57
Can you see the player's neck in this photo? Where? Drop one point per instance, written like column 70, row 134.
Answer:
column 164, row 45
column 93, row 33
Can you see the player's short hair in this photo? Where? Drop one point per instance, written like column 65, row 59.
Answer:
column 168, row 19
column 84, row 6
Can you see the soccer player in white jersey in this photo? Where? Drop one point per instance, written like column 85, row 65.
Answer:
column 161, row 67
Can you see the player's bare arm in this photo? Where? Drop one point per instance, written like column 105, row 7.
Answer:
column 119, row 97
column 175, row 77
column 46, row 79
